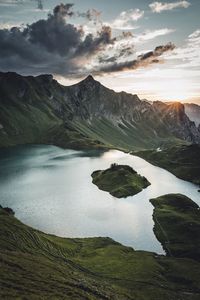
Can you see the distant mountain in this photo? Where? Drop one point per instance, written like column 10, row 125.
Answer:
column 87, row 114
column 193, row 112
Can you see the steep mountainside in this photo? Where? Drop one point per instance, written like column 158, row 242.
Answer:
column 193, row 112
column 39, row 109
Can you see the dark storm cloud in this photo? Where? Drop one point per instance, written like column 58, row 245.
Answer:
column 54, row 45
column 63, row 10
column 143, row 60
column 92, row 45
column 55, row 34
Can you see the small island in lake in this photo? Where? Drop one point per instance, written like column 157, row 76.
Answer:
column 120, row 181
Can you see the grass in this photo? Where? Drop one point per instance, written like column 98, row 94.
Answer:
column 125, row 135
column 181, row 160
column 177, row 225
column 35, row 265
column 120, row 181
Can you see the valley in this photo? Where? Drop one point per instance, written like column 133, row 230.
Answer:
column 37, row 114
column 38, row 110
column 99, row 150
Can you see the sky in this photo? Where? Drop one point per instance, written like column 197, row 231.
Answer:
column 145, row 47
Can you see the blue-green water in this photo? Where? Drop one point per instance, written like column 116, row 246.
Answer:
column 51, row 189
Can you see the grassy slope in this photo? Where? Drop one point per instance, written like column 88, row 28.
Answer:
column 181, row 160
column 35, row 265
column 177, row 225
column 126, row 136
column 66, row 136
column 120, row 181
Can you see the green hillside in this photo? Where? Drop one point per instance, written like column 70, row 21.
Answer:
column 35, row 265
column 181, row 160
column 177, row 225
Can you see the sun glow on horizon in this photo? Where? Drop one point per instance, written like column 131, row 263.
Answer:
column 164, row 84
column 152, row 84
column 173, row 90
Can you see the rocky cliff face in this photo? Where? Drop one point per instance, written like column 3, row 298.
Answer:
column 193, row 112
column 92, row 100
column 32, row 105
column 178, row 122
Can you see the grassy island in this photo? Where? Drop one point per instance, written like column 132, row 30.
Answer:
column 177, row 225
column 120, row 181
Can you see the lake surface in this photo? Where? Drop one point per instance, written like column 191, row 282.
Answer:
column 51, row 189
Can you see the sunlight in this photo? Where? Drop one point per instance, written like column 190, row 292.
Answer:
column 113, row 154
column 174, row 90
column 158, row 84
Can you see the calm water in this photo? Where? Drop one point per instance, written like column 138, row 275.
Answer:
column 51, row 189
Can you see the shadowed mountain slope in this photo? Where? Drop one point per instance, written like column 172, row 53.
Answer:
column 193, row 112
column 87, row 114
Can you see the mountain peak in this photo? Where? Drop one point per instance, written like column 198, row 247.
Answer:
column 89, row 78
column 89, row 81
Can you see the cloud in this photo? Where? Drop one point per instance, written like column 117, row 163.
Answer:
column 151, row 34
column 187, row 56
column 6, row 25
column 55, row 45
column 54, row 34
column 51, row 45
column 125, row 47
column 120, row 53
column 194, row 37
column 63, row 10
column 143, row 60
column 158, row 7
column 126, row 20
column 92, row 45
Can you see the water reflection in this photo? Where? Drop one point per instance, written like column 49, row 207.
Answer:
column 51, row 189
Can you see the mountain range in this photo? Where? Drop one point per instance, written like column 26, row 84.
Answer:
column 36, row 109
column 88, row 115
